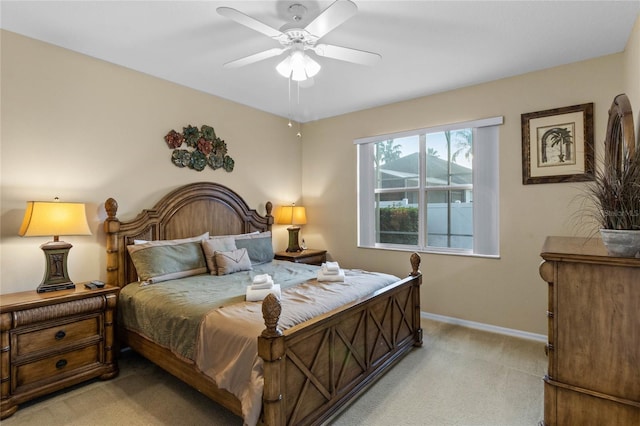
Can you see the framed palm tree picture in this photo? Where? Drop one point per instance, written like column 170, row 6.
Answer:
column 557, row 145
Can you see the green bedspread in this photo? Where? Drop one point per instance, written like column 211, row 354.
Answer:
column 169, row 313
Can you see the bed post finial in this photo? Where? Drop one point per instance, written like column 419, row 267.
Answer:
column 415, row 264
column 271, row 310
column 111, row 206
column 269, row 208
column 111, row 228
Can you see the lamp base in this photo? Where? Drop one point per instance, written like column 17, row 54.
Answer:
column 56, row 276
column 45, row 288
column 293, row 239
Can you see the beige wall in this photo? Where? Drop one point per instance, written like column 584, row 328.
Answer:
column 632, row 73
column 85, row 130
column 72, row 126
column 506, row 292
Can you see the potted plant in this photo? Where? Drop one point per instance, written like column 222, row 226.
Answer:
column 615, row 195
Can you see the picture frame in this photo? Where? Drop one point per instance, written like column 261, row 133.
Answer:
column 558, row 145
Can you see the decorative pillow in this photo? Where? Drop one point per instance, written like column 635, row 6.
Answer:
column 259, row 246
column 214, row 244
column 140, row 242
column 232, row 261
column 163, row 260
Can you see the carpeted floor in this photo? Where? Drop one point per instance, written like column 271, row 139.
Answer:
column 460, row 376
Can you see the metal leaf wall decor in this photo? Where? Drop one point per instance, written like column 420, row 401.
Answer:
column 203, row 148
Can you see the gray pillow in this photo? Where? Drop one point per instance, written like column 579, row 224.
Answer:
column 214, row 244
column 163, row 260
column 259, row 246
column 229, row 262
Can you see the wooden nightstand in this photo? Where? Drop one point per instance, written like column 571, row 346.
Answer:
column 53, row 340
column 308, row 256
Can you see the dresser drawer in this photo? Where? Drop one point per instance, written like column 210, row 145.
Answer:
column 55, row 365
column 57, row 336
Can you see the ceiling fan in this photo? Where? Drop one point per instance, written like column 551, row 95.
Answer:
column 297, row 41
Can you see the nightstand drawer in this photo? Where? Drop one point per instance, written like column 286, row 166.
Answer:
column 54, row 340
column 60, row 335
column 55, row 365
column 313, row 260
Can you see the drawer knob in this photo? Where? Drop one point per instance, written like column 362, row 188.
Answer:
column 60, row 335
column 61, row 363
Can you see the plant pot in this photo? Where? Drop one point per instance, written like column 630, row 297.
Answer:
column 621, row 243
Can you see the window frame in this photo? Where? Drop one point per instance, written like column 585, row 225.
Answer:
column 485, row 187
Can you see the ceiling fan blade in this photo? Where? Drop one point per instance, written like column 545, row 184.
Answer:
column 334, row 15
column 249, row 22
column 361, row 57
column 256, row 57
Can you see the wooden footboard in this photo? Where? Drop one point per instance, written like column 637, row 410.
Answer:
column 312, row 370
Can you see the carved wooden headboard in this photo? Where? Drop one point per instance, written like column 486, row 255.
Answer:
column 187, row 211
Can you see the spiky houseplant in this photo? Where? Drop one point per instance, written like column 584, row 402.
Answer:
column 614, row 197
column 615, row 194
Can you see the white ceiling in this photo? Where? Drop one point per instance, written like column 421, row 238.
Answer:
column 426, row 46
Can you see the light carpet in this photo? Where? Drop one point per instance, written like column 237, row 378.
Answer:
column 460, row 376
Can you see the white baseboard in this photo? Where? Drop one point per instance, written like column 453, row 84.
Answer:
column 486, row 327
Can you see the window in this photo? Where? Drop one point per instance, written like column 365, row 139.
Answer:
column 433, row 189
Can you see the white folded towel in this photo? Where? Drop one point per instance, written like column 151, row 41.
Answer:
column 263, row 285
column 326, row 271
column 260, row 294
column 261, row 278
column 339, row 277
column 331, row 266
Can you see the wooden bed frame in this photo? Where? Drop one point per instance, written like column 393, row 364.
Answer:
column 311, row 370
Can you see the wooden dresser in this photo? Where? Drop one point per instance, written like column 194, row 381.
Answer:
column 594, row 334
column 53, row 340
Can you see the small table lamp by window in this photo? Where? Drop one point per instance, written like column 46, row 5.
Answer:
column 44, row 218
column 292, row 215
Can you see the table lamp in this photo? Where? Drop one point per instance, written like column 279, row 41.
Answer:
column 292, row 215
column 44, row 218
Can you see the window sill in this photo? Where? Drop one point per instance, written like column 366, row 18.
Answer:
column 428, row 251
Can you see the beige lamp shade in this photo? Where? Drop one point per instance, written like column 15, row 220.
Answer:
column 292, row 215
column 44, row 218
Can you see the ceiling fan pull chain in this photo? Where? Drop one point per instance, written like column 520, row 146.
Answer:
column 299, row 134
column 290, row 108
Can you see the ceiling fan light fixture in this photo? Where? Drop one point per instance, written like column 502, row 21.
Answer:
column 298, row 66
column 284, row 68
column 311, row 67
column 298, row 74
